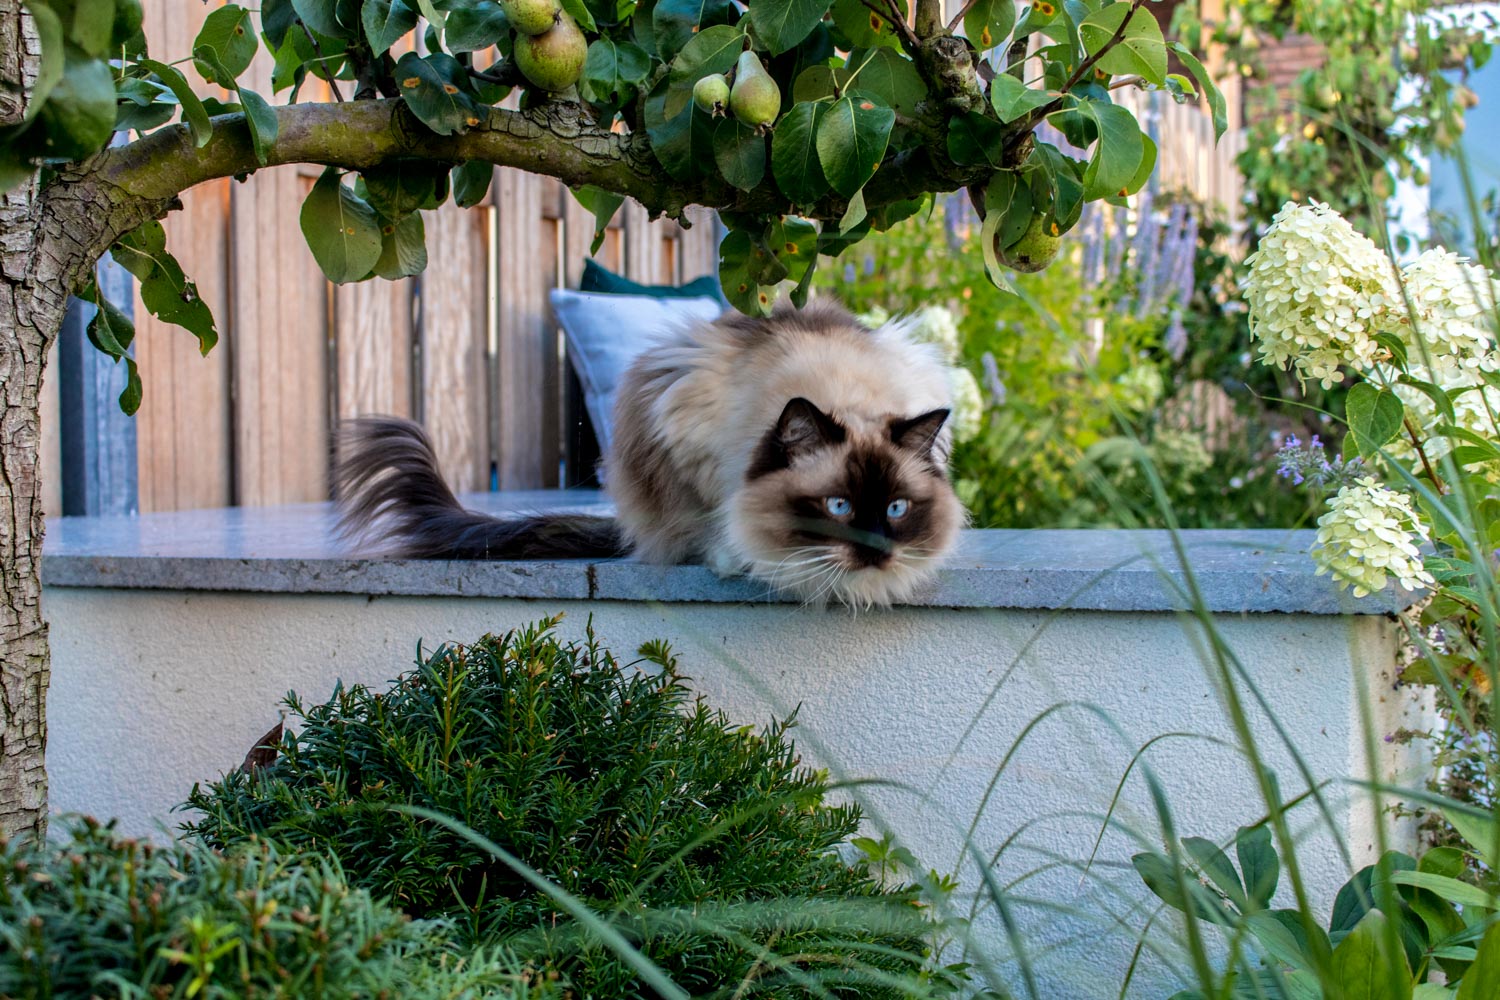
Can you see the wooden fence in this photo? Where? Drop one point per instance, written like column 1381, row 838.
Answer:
column 469, row 348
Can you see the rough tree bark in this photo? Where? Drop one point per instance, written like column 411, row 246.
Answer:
column 29, row 316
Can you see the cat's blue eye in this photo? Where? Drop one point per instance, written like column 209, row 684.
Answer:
column 837, row 506
column 897, row 509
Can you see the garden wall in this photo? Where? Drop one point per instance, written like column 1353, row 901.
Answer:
column 175, row 635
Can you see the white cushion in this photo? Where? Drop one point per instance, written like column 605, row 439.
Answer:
column 605, row 333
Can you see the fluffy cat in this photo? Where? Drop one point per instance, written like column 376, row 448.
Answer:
column 804, row 449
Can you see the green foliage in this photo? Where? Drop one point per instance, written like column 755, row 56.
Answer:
column 1392, row 924
column 101, row 915
column 1391, row 90
column 822, row 96
column 1051, row 452
column 708, row 845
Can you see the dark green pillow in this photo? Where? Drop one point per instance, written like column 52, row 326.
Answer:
column 597, row 278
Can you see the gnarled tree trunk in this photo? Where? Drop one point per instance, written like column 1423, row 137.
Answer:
column 30, row 314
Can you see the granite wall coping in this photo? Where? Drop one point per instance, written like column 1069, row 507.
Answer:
column 293, row 549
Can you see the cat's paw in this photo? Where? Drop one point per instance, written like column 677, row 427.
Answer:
column 726, row 564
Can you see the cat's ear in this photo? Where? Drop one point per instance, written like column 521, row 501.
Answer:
column 919, row 433
column 800, row 429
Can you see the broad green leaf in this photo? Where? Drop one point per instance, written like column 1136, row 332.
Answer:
column 261, row 118
column 1259, row 865
column 1356, row 896
column 403, row 248
column 602, row 205
column 1279, row 938
column 1374, row 416
column 334, row 18
column 93, row 25
column 1451, row 889
column 685, row 144
column 712, row 50
column 397, row 188
column 471, row 182
column 1438, row 396
column 193, row 111
column 78, row 118
column 1157, row 872
column 1117, row 154
column 854, row 214
column 1015, row 218
column 988, row 23
column 1216, row 865
column 579, row 11
column 434, row 87
column 1480, row 833
column 794, row 241
column 851, row 140
column 165, row 290
column 739, row 153
column 675, row 22
column 974, row 138
column 342, row 231
column 862, row 26
column 1141, row 49
column 886, row 75
column 1011, row 98
column 130, row 396
column 781, row 24
column 1366, row 968
column 386, row 21
column 1482, row 980
column 277, row 17
column 1217, row 106
column 734, row 275
column 1147, row 167
column 231, row 36
column 1432, row 991
column 794, row 154
column 612, row 70
column 799, row 294
column 436, row 17
column 110, row 330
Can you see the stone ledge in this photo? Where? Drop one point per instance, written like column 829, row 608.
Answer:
column 292, row 549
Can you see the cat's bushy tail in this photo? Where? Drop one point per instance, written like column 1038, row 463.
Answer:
column 389, row 489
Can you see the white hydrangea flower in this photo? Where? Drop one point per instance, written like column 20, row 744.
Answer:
column 1140, row 388
column 967, row 418
column 1318, row 293
column 875, row 317
column 1453, row 310
column 936, row 325
column 1371, row 533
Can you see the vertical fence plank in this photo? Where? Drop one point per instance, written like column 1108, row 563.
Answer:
column 280, row 314
column 183, row 426
column 454, row 332
column 527, row 346
column 372, row 324
column 51, row 427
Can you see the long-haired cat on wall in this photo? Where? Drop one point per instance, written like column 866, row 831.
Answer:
column 803, row 449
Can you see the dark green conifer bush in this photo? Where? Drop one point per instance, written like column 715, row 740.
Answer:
column 710, row 846
column 104, row 916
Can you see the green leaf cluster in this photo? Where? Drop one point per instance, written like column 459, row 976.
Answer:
column 706, row 844
column 98, row 914
column 1392, row 924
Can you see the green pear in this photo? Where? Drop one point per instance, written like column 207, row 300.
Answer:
column 755, row 99
column 553, row 60
column 531, row 17
column 711, row 94
column 1037, row 247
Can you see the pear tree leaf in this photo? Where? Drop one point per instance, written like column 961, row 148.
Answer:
column 228, row 33
column 602, row 205
column 1216, row 103
column 739, row 153
column 1141, row 49
column 781, row 24
column 386, row 21
column 435, row 87
column 341, row 230
column 193, row 111
column 988, row 23
column 851, row 141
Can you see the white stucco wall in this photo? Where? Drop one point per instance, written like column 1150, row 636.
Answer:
column 154, row 690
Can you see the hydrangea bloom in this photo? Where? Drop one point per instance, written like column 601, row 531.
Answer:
column 1453, row 310
column 936, row 325
column 1371, row 533
column 1139, row 388
column 968, row 405
column 1318, row 293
